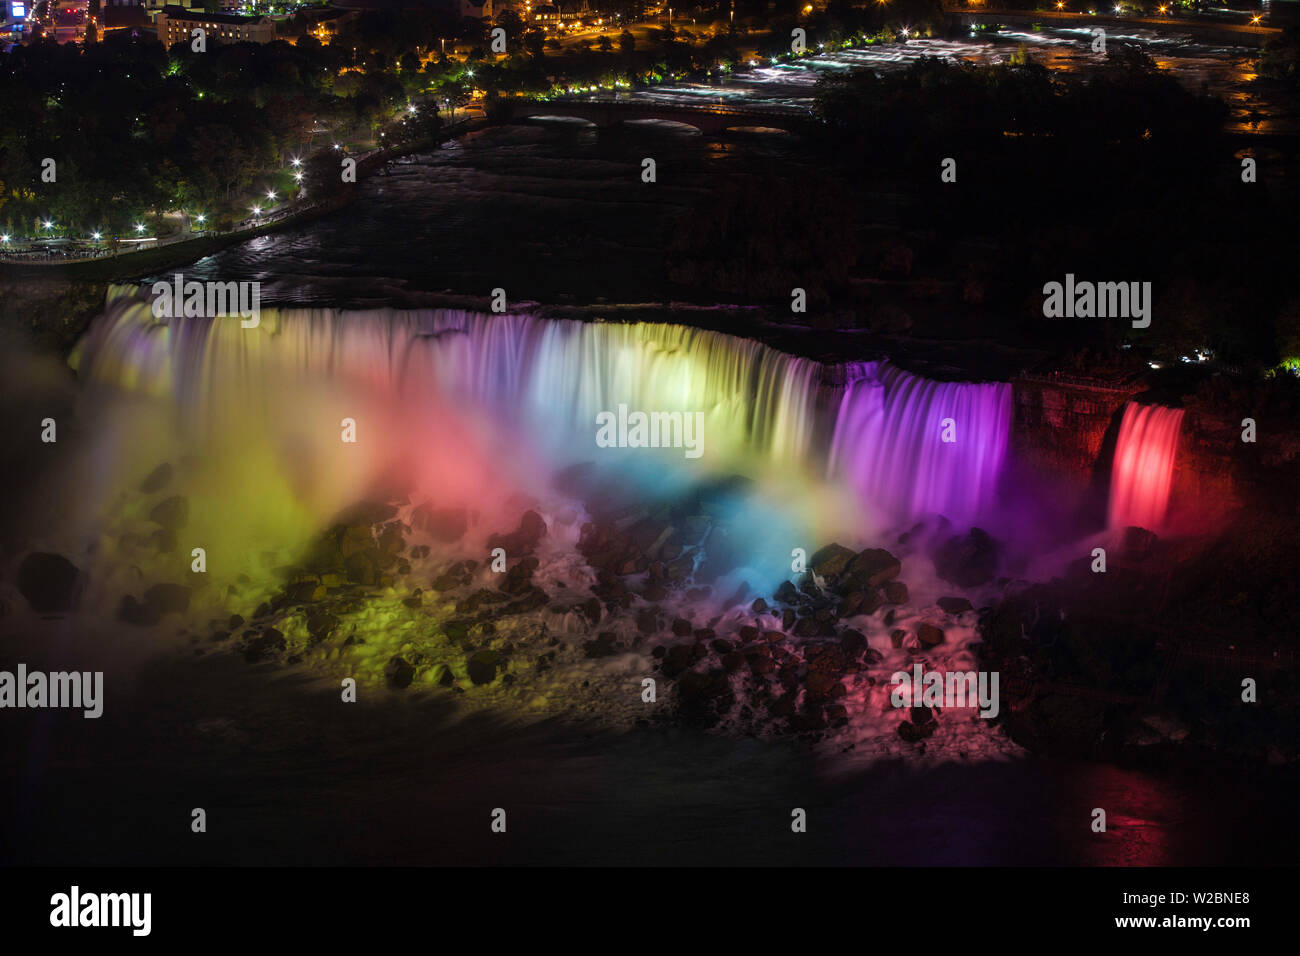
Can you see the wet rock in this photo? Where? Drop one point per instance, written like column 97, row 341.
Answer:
column 531, row 530
column 264, row 646
column 457, row 629
column 896, row 637
column 321, row 624
column 929, row 634
column 968, row 561
column 354, row 539
column 705, row 634
column 773, row 637
column 48, row 582
column 442, row 524
column 647, row 620
column 831, row 560
column 733, row 661
column 787, row 593
column 482, row 667
column 305, row 592
column 591, row 610
column 1137, row 543
column 820, row 684
column 850, row 603
column 872, row 568
column 157, row 479
column 826, row 658
column 678, row 659
column 519, row 577
column 682, row 627
column 913, row 734
column 896, row 592
column 806, row 627
column 602, row 646
column 391, row 542
column 399, row 673
column 853, row 642
column 748, row 633
column 787, row 619
column 720, row 646
column 362, row 568
column 953, row 605
column 172, row 513
column 759, row 606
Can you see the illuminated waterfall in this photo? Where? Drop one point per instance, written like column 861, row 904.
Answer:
column 766, row 412
column 1144, row 465
column 912, row 446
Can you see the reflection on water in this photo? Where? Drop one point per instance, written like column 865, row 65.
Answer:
column 1227, row 72
column 301, row 780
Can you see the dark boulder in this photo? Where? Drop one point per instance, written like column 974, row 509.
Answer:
column 968, row 561
column 48, row 582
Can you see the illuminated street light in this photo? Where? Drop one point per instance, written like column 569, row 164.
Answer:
column 139, row 227
column 95, row 236
column 270, row 194
column 296, row 162
column 257, row 210
column 4, row 238
column 297, row 177
column 200, row 218
column 48, row 224
column 1255, row 18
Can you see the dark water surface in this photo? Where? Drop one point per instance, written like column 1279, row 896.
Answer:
column 289, row 775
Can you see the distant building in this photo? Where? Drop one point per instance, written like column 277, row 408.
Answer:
column 176, row 24
column 326, row 24
column 478, row 9
column 154, row 7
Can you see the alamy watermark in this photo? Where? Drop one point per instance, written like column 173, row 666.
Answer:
column 78, row 690
column 1098, row 300
column 194, row 299
column 74, row 909
column 923, row 688
column 626, row 429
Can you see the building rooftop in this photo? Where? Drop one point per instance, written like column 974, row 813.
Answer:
column 176, row 12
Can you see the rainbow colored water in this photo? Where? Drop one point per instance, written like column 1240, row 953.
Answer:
column 516, row 396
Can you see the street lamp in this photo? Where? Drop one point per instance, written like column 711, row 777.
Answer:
column 270, row 194
column 139, row 227
column 95, row 236
column 257, row 210
column 296, row 162
column 48, row 224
